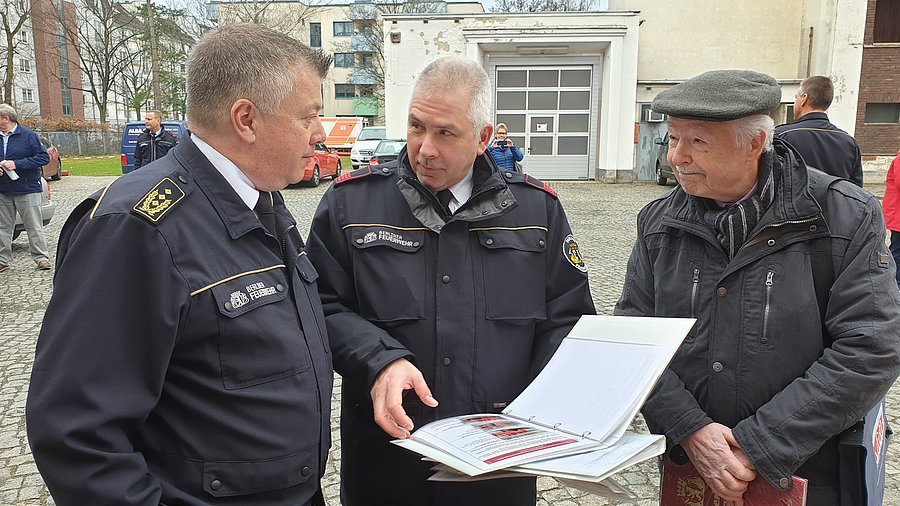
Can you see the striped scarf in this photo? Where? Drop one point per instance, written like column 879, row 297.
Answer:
column 735, row 222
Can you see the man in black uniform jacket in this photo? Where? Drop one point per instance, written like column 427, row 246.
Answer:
column 821, row 144
column 439, row 273
column 154, row 142
column 183, row 356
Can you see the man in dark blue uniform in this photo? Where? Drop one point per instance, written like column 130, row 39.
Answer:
column 183, row 357
column 821, row 144
column 154, row 142
column 442, row 274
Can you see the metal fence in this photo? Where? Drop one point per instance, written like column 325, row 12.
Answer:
column 86, row 143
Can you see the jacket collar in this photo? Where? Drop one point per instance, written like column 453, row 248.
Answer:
column 490, row 194
column 234, row 213
column 812, row 116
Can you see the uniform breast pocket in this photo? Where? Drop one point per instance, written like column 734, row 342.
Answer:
column 260, row 339
column 514, row 273
column 389, row 272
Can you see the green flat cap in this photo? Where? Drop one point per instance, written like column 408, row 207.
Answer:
column 720, row 95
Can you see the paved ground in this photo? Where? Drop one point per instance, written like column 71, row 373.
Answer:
column 602, row 216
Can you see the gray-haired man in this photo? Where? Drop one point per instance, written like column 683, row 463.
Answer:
column 20, row 188
column 755, row 390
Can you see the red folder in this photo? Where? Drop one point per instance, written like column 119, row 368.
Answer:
column 683, row 486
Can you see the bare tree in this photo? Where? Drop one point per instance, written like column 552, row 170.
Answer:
column 105, row 36
column 286, row 17
column 543, row 5
column 369, row 71
column 13, row 17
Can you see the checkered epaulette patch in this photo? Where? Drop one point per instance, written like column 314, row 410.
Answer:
column 159, row 201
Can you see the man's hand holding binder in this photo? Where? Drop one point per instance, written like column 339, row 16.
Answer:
column 720, row 461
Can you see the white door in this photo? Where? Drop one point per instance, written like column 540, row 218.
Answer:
column 547, row 111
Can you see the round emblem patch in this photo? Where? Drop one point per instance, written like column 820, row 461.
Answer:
column 572, row 254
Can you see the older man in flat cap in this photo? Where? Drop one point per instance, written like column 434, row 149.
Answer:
column 778, row 364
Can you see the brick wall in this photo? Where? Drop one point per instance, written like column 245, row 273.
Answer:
column 46, row 59
column 879, row 83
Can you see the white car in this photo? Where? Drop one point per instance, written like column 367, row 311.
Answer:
column 48, row 207
column 365, row 144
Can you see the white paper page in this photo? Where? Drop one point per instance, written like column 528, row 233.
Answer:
column 489, row 442
column 598, row 464
column 633, row 329
column 601, row 374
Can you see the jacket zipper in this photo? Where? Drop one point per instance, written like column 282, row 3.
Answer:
column 758, row 237
column 765, row 330
column 695, row 279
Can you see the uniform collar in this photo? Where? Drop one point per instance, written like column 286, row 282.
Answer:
column 232, row 209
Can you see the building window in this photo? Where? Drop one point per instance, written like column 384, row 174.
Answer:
column 344, row 90
column 315, row 34
column 27, row 95
column 366, row 90
column 343, row 28
column 887, row 21
column 882, row 113
column 24, row 65
column 366, row 59
column 23, row 36
column 343, row 60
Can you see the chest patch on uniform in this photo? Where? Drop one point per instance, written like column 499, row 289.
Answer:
column 572, row 254
column 159, row 201
column 251, row 292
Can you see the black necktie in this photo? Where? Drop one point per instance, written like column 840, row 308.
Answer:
column 444, row 197
column 266, row 213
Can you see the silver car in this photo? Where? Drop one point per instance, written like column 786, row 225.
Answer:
column 48, row 207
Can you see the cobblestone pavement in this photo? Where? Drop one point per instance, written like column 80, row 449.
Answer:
column 603, row 219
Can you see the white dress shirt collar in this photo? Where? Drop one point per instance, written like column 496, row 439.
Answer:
column 235, row 177
column 461, row 192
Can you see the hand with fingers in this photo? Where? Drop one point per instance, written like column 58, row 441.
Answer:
column 387, row 397
column 719, row 459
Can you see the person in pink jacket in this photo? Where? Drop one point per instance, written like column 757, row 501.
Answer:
column 891, row 207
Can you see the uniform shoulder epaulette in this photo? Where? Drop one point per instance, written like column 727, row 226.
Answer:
column 383, row 170
column 162, row 198
column 518, row 177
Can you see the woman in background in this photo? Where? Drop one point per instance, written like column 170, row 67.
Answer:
column 505, row 153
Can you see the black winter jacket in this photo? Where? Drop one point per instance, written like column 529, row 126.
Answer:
column 150, row 148
column 478, row 302
column 756, row 360
column 824, row 146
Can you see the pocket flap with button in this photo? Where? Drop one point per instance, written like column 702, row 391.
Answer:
column 226, row 479
column 402, row 240
column 306, row 269
column 532, row 239
column 246, row 293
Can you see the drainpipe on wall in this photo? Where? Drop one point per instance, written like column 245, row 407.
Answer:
column 809, row 53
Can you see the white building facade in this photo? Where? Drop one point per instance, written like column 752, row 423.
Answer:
column 563, row 84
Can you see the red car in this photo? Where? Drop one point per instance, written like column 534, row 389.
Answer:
column 325, row 163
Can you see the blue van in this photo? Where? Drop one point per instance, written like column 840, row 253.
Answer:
column 133, row 131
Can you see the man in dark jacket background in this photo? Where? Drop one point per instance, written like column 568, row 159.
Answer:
column 20, row 188
column 441, row 274
column 821, row 144
column 757, row 389
column 154, row 142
